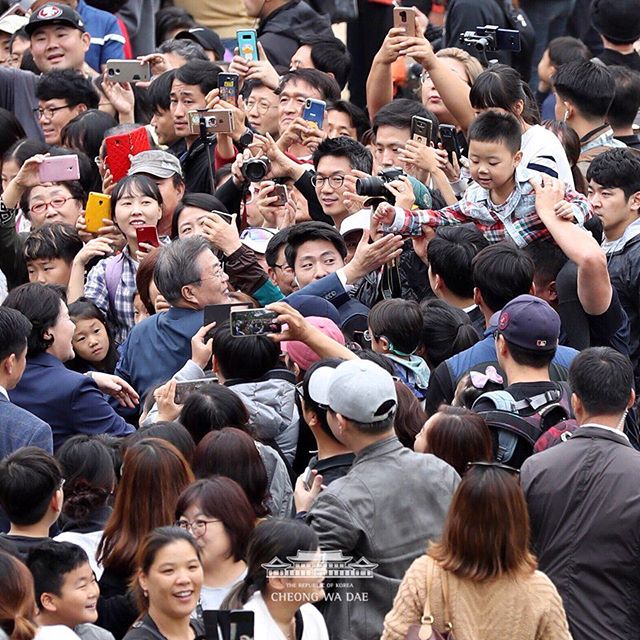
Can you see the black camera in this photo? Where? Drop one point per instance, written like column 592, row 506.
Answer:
column 255, row 169
column 374, row 186
column 492, row 38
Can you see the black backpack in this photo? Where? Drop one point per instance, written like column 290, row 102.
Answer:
column 518, row 20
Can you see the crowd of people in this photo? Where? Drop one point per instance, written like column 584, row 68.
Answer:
column 306, row 340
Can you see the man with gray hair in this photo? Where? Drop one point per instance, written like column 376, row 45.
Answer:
column 190, row 277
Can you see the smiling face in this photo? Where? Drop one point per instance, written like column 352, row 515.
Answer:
column 91, row 340
column 492, row 164
column 332, row 197
column 62, row 334
column 50, row 203
column 134, row 209
column 59, row 46
column 190, row 222
column 184, row 98
column 316, row 259
column 76, row 602
column 173, row 581
column 56, row 113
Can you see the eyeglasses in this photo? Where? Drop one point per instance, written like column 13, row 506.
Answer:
column 257, row 234
column 335, row 181
column 260, row 107
column 56, row 203
column 495, row 465
column 198, row 527
column 219, row 274
column 285, row 267
column 48, row 111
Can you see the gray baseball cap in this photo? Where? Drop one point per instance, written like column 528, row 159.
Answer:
column 359, row 390
column 157, row 163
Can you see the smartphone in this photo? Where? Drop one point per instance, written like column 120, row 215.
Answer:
column 280, row 190
column 183, row 389
column 508, row 40
column 98, row 207
column 19, row 8
column 59, row 169
column 247, row 44
column 307, row 478
column 216, row 121
column 229, row 218
column 220, row 313
column 121, row 147
column 314, row 112
column 405, row 18
column 449, row 139
column 228, row 84
column 149, row 234
column 254, row 322
column 241, row 625
column 128, row 71
column 421, row 129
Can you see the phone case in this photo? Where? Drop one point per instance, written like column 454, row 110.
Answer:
column 247, row 44
column 405, row 17
column 228, row 85
column 98, row 207
column 59, row 169
column 121, row 147
column 128, row 71
column 421, row 129
column 280, row 190
column 149, row 234
column 314, row 112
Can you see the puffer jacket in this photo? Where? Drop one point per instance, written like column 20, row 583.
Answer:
column 280, row 489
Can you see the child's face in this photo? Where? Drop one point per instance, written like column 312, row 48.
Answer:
column 492, row 164
column 90, row 340
column 76, row 603
column 49, row 271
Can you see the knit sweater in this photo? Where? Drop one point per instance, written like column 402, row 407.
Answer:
column 526, row 608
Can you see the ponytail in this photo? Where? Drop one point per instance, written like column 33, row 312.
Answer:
column 23, row 629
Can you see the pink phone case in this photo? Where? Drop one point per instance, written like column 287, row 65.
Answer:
column 59, row 169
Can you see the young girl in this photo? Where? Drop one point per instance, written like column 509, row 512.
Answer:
column 92, row 342
column 111, row 284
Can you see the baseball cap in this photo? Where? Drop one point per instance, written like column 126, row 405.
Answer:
column 530, row 323
column 257, row 238
column 304, row 356
column 54, row 13
column 208, row 39
column 316, row 306
column 358, row 221
column 359, row 390
column 157, row 163
column 617, row 20
column 11, row 24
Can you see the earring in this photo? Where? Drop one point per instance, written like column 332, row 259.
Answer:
column 145, row 593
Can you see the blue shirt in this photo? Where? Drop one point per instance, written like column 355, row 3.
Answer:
column 107, row 40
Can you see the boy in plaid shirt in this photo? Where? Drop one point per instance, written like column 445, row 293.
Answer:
column 500, row 201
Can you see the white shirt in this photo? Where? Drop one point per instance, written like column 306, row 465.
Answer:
column 55, row 632
column 211, row 597
column 3, row 391
column 542, row 148
column 601, row 426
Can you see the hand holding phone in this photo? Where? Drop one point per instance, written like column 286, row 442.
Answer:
column 228, row 84
column 254, row 322
column 98, row 208
column 149, row 234
column 248, row 44
column 313, row 112
column 59, row 169
column 405, row 18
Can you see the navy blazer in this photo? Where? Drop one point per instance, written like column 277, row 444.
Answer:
column 70, row 402
column 19, row 428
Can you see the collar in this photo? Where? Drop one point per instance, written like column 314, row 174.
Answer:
column 591, row 430
column 611, row 246
column 379, row 448
column 594, row 133
column 333, row 462
column 45, row 360
column 3, row 393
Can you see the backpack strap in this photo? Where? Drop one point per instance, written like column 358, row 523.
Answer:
column 112, row 275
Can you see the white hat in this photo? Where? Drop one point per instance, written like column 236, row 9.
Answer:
column 357, row 221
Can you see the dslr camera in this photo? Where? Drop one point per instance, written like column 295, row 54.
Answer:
column 255, row 169
column 492, row 38
column 374, row 186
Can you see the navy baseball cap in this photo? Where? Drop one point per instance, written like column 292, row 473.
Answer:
column 54, row 13
column 530, row 323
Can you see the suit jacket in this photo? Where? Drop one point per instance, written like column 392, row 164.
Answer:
column 19, row 428
column 70, row 402
column 584, row 503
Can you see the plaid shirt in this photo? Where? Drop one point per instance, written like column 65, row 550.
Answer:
column 121, row 317
column 515, row 219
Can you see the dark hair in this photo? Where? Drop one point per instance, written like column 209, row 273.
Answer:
column 501, row 87
column 233, row 453
column 399, row 321
column 203, row 201
column 567, row 49
column 172, row 432
column 146, row 554
column 311, row 230
column 446, row 330
column 212, row 409
column 589, row 86
column 616, row 169
column 154, row 474
column 50, row 562
column 185, row 48
column 159, row 91
column 15, row 330
column 248, row 359
column 17, row 599
column 603, row 379
column 75, row 188
column 357, row 154
column 459, row 436
column 486, row 532
column 40, row 304
column 69, row 85
column 21, row 150
column 529, row 357
column 626, row 100
column 274, row 538
column 11, row 131
column 410, row 415
column 571, row 144
column 378, row 358
column 359, row 118
column 329, row 54
column 171, row 19
column 87, row 131
column 493, row 126
column 144, row 277
column 501, row 272
column 222, row 498
column 548, row 258
column 138, row 183
column 309, row 403
column 28, row 479
column 50, row 241
column 398, row 114
column 87, row 466
column 273, row 246
column 199, row 73
column 450, row 254
column 325, row 85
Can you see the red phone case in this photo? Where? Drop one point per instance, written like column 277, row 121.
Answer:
column 120, row 148
column 149, row 234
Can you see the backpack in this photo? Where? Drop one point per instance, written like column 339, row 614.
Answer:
column 517, row 437
column 518, row 20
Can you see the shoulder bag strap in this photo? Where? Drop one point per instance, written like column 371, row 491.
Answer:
column 444, row 579
column 426, row 622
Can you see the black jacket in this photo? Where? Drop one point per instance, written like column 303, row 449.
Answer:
column 195, row 167
column 282, row 31
column 584, row 502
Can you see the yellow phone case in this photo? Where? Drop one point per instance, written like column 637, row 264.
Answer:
column 98, row 207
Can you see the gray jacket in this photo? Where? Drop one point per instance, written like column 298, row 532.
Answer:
column 281, row 500
column 384, row 511
column 584, row 502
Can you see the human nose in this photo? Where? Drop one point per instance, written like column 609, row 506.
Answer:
column 594, row 199
column 388, row 157
column 320, row 272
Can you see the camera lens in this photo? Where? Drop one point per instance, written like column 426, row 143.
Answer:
column 372, row 187
column 255, row 169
